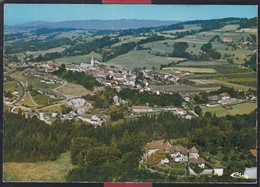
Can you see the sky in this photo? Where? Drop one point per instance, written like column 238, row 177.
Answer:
column 24, row 13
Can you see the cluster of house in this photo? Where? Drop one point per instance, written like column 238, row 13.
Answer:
column 47, row 67
column 181, row 154
column 180, row 111
column 46, row 77
column 166, row 78
column 95, row 119
column 115, row 79
column 222, row 99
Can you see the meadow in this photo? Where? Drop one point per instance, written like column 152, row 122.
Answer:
column 42, row 99
column 185, row 88
column 11, row 86
column 241, row 108
column 140, row 59
column 27, row 101
column 194, row 70
column 45, row 171
column 79, row 59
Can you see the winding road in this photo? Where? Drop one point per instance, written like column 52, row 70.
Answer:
column 23, row 93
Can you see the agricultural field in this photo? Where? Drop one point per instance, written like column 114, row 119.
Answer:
column 242, row 108
column 127, row 39
column 52, row 50
column 185, row 88
column 230, row 84
column 201, row 63
column 194, row 70
column 140, row 59
column 47, row 171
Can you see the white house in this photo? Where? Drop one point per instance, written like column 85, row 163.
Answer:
column 171, row 108
column 227, row 39
column 181, row 111
column 193, row 153
column 188, row 116
column 141, row 109
column 224, row 96
column 213, row 104
column 218, row 169
column 165, row 161
column 97, row 119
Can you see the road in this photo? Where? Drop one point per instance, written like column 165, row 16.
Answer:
column 32, row 99
column 64, row 83
column 23, row 93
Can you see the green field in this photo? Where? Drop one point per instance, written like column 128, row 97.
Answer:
column 46, row 171
column 73, row 89
column 140, row 59
column 242, row 108
column 184, row 88
column 230, row 84
column 127, row 39
column 42, row 99
column 11, row 86
column 79, row 59
column 52, row 50
column 194, row 70
column 27, row 101
column 202, row 63
column 34, row 81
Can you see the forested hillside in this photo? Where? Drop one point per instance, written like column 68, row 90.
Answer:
column 114, row 152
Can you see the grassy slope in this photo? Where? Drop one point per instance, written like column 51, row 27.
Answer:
column 27, row 100
column 243, row 108
column 79, row 59
column 47, row 171
column 73, row 89
column 140, row 59
column 34, row 81
column 11, row 86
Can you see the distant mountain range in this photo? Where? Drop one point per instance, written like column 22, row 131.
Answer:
column 99, row 24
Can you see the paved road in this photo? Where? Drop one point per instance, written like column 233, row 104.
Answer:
column 23, row 93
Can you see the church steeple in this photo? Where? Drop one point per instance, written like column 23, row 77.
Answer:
column 92, row 62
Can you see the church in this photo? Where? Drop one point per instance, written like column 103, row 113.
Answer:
column 88, row 66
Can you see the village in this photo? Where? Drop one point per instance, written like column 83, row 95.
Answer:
column 117, row 79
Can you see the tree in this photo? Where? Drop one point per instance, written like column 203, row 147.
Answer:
column 180, row 50
column 198, row 110
column 225, row 158
column 206, row 47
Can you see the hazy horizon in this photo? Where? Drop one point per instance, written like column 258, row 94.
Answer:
column 25, row 13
